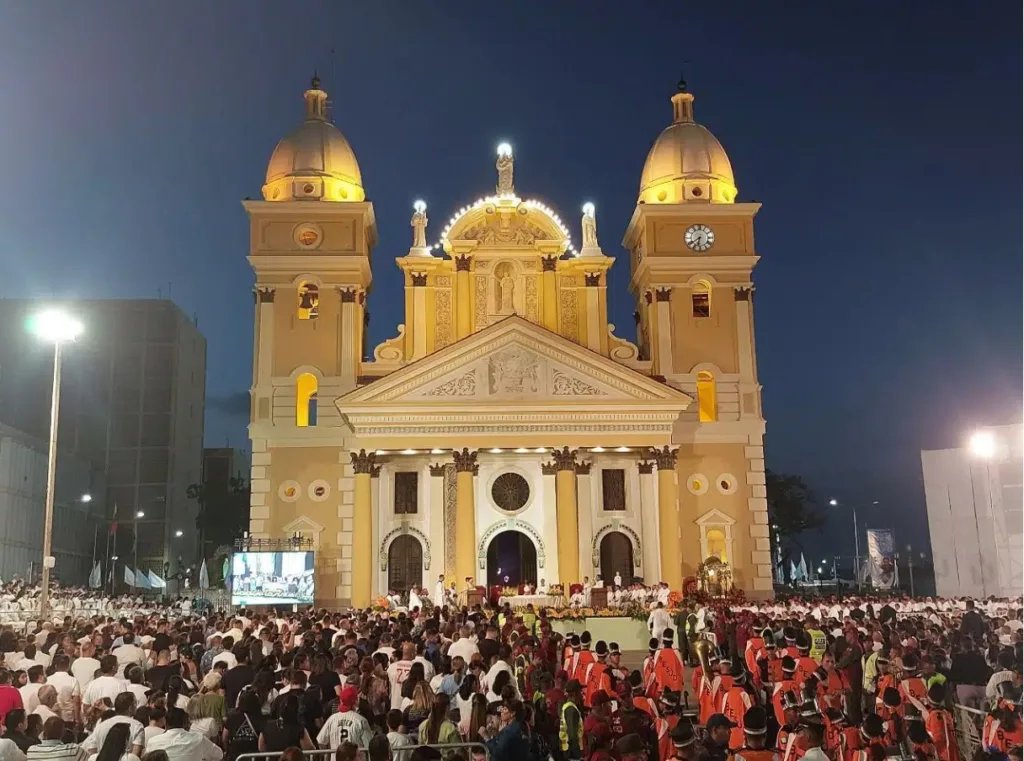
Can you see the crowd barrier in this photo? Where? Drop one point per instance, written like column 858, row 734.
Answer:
column 328, row 752
column 968, row 723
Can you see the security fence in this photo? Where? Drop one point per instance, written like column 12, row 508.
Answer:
column 968, row 723
column 479, row 748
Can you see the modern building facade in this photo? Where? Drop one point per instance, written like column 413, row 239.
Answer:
column 976, row 514
column 132, row 403
column 79, row 533
column 507, row 432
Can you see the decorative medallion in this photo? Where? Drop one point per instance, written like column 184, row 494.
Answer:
column 510, row 492
column 289, row 491
column 726, row 483
column 697, row 484
column 319, row 490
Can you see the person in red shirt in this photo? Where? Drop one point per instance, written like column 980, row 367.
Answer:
column 597, row 731
column 939, row 724
column 582, row 659
column 10, row 698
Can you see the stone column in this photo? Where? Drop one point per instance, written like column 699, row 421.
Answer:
column 567, row 513
column 668, row 518
column 586, row 497
column 549, row 297
column 649, row 522
column 436, row 524
column 263, row 357
column 465, row 516
column 663, row 308
column 365, row 467
column 463, row 307
column 749, row 391
column 351, row 349
column 419, row 314
column 593, row 291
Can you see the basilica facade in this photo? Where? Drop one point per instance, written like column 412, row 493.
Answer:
column 507, row 432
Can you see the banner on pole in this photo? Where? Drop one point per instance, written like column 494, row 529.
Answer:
column 881, row 565
column 129, row 576
column 96, row 576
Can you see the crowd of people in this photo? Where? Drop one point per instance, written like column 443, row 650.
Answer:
column 841, row 679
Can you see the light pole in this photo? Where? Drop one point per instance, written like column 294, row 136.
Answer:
column 57, row 327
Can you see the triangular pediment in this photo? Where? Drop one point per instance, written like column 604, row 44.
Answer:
column 516, row 371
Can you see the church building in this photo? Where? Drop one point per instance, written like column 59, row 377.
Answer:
column 507, row 430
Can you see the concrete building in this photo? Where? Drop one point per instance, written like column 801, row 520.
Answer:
column 976, row 514
column 132, row 403
column 77, row 518
column 508, row 433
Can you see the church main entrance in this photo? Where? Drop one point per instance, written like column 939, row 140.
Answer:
column 616, row 558
column 511, row 560
column 405, row 563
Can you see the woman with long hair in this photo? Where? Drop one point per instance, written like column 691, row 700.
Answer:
column 177, row 693
column 285, row 729
column 416, row 675
column 243, row 725
column 475, row 718
column 116, row 745
column 437, row 728
column 464, row 701
column 417, row 707
column 373, row 685
column 207, row 709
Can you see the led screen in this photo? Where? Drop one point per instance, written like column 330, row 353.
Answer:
column 272, row 578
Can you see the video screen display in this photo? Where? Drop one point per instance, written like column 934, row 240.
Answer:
column 272, row 578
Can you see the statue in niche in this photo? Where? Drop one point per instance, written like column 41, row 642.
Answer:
column 505, row 292
column 419, row 225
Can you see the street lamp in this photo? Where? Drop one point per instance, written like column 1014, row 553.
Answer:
column 58, row 328
column 87, row 498
column 140, row 514
column 179, row 533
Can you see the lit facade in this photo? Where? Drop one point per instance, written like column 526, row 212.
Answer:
column 507, row 430
column 975, row 505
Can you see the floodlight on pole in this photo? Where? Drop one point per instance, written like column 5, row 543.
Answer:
column 56, row 327
column 87, row 498
column 982, row 445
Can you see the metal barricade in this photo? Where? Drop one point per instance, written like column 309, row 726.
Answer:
column 479, row 746
column 968, row 723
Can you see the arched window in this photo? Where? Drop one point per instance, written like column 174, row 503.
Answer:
column 305, row 400
column 707, row 404
column 700, row 297
column 715, row 538
column 309, row 301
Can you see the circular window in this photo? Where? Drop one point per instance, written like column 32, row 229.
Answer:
column 289, row 491
column 697, row 484
column 697, row 192
column 510, row 492
column 307, row 188
column 308, row 237
column 319, row 490
column 726, row 483
column 662, row 195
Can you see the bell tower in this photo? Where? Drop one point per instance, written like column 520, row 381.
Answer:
column 692, row 255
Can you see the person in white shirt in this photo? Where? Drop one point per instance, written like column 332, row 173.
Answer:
column 47, row 701
column 157, row 724
column 69, row 693
column 501, row 664
column 124, row 707
column 129, row 654
column 465, row 645
column 398, row 672
column 9, row 751
column 439, row 592
column 428, row 667
column 30, row 692
column 85, row 666
column 107, row 685
column 618, row 579
column 181, row 745
column 347, row 724
column 659, row 621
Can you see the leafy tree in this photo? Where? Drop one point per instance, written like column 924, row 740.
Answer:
column 223, row 510
column 792, row 511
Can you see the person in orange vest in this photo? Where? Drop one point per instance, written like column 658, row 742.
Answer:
column 669, row 720
column 668, row 666
column 786, row 684
column 616, row 672
column 872, row 733
column 835, row 723
column 733, row 703
column 572, row 646
column 639, row 696
column 753, row 653
column 805, row 664
column 921, row 744
column 830, row 683
column 790, row 649
column 913, row 690
column 583, row 658
column 755, row 737
column 1002, row 730
column 889, row 706
column 939, row 724
column 711, row 691
column 771, row 663
column 787, row 741
column 597, row 677
column 647, row 670
column 885, row 675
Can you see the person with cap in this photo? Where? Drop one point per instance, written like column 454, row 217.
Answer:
column 572, row 646
column 805, row 664
column 582, row 659
column 830, row 684
column 1002, row 729
column 812, row 735
column 638, row 695
column 627, row 719
column 570, row 722
column 872, row 733
column 597, row 676
column 668, row 721
column 668, row 666
column 786, row 684
column 753, row 652
column 771, row 663
column 787, row 741
column 630, row 747
column 597, row 729
column 712, row 688
column 347, row 724
column 647, row 670
column 835, row 722
column 921, row 745
column 684, row 742
column 733, row 703
column 616, row 672
column 912, row 687
column 755, row 737
column 939, row 724
column 819, row 641
column 716, row 739
column 790, row 648
column 889, row 706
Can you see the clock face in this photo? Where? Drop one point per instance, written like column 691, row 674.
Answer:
column 699, row 237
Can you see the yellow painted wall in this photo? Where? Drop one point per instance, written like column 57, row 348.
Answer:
column 704, row 339
column 277, row 234
column 306, row 342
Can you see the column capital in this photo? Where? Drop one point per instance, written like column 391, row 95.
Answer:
column 462, row 262
column 465, row 461
column 365, row 464
column 548, row 468
column 592, row 279
column 437, row 469
column 743, row 292
column 264, row 295
column 583, row 468
column 663, row 294
column 548, row 263
column 646, row 467
column 348, row 295
column 564, row 459
column 419, row 279
column 664, row 457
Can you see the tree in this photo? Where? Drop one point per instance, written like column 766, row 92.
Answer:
column 223, row 510
column 791, row 511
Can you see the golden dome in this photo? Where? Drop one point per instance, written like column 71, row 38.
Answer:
column 314, row 162
column 686, row 162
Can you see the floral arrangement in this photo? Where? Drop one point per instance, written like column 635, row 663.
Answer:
column 380, row 604
column 509, row 591
column 556, row 590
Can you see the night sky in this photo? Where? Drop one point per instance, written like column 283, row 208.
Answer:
column 883, row 140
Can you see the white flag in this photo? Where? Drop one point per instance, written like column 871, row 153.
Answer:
column 129, row 577
column 96, row 576
column 204, row 576
column 141, row 579
column 156, row 582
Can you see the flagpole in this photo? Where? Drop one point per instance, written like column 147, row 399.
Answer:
column 95, row 539
column 135, row 544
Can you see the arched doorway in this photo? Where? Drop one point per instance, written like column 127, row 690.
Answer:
column 511, row 560
column 405, row 563
column 616, row 557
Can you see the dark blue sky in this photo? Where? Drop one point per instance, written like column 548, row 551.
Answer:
column 884, row 140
